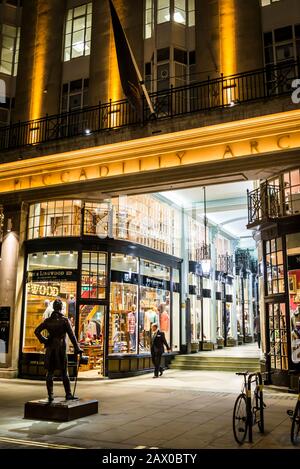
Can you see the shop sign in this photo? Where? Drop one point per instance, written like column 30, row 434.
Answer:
column 124, row 277
column 151, row 282
column 41, row 289
column 4, row 332
column 56, row 275
column 213, row 143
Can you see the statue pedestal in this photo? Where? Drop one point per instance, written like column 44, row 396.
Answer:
column 59, row 410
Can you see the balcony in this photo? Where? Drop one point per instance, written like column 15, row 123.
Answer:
column 221, row 93
column 264, row 204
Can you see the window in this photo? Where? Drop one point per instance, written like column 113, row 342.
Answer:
column 78, row 32
column 10, row 49
column 179, row 11
column 278, row 336
column 14, row 3
column 163, row 11
column 97, row 218
column 74, row 95
column 56, row 218
column 50, row 275
column 292, row 192
column 275, row 267
column 191, row 12
column 265, row 3
column 148, row 19
column 154, row 302
column 123, row 304
column 282, row 44
column 93, row 275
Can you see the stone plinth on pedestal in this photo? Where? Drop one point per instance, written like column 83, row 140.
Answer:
column 59, row 410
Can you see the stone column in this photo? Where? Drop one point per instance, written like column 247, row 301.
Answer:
column 11, row 282
column 104, row 74
column 38, row 86
column 228, row 36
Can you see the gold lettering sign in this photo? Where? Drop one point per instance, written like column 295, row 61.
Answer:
column 154, row 153
column 42, row 289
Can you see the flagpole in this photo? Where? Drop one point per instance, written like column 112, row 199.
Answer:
column 140, row 78
column 137, row 71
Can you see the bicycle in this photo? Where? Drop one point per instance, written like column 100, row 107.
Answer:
column 295, row 417
column 248, row 411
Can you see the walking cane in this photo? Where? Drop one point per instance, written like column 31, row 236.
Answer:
column 84, row 361
column 76, row 375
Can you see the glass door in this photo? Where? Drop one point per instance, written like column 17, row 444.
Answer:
column 277, row 336
column 91, row 333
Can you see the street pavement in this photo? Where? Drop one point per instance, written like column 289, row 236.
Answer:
column 180, row 410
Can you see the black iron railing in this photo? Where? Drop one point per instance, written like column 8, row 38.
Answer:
column 264, row 203
column 206, row 95
column 225, row 263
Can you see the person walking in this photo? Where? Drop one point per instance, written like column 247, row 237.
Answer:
column 257, row 330
column 158, row 341
column 58, row 327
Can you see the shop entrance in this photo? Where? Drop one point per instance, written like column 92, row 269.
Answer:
column 91, row 330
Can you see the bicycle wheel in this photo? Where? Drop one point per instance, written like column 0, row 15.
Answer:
column 259, row 404
column 295, row 430
column 240, row 420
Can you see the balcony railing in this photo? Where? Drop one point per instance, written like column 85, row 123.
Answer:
column 202, row 96
column 225, row 264
column 264, row 204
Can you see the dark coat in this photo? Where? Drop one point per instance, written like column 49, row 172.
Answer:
column 57, row 326
column 158, row 342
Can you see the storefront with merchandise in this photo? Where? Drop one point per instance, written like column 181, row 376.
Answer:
column 277, row 233
column 115, row 277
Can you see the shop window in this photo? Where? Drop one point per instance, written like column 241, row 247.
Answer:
column 97, row 218
column 275, row 267
column 195, row 308
column 292, row 192
column 93, row 275
column 278, row 336
column 123, row 304
column 54, row 219
column 154, row 302
column 78, row 32
column 10, row 37
column 293, row 250
column 50, row 275
column 175, row 310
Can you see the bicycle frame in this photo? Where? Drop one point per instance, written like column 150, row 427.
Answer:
column 249, row 403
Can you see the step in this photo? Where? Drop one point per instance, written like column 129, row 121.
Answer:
column 214, row 368
column 214, row 361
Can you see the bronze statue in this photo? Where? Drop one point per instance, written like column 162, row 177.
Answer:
column 57, row 326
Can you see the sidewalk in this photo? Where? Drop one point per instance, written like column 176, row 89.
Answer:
column 182, row 409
